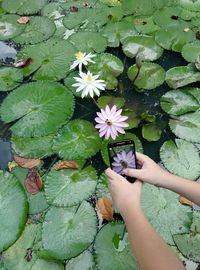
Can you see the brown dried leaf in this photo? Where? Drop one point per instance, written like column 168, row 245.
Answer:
column 184, row 201
column 104, row 208
column 23, row 63
column 26, row 163
column 23, row 20
column 66, row 164
column 33, row 182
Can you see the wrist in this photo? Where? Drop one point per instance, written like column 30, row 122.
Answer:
column 130, row 210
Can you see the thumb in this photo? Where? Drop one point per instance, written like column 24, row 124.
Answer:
column 133, row 173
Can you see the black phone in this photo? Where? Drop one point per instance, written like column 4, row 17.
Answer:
column 122, row 156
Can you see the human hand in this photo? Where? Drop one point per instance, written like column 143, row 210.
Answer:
column 125, row 195
column 148, row 171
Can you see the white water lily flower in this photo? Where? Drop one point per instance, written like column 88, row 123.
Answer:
column 82, row 59
column 88, row 84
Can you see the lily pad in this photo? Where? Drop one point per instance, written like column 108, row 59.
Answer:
column 73, row 228
column 177, row 77
column 9, row 27
column 187, row 126
column 109, row 67
column 149, row 76
column 88, row 41
column 112, row 249
column 39, row 108
column 191, row 51
column 10, row 78
column 178, row 102
column 145, row 25
column 111, row 101
column 142, row 47
column 164, row 211
column 77, row 140
column 151, row 132
column 69, row 80
column 133, row 119
column 102, row 187
column 37, row 30
column 190, row 4
column 24, row 7
column 181, row 158
column 12, row 215
column 51, row 59
column 85, row 261
column 135, row 7
column 65, row 188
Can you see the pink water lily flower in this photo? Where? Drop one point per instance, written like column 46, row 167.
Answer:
column 110, row 122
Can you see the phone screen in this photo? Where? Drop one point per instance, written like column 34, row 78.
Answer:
column 122, row 156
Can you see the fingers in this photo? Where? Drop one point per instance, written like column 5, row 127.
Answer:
column 111, row 174
column 133, row 173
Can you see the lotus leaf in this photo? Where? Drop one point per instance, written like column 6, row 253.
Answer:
column 151, row 132
column 164, row 211
column 147, row 77
column 73, row 228
column 85, row 261
column 181, row 158
column 177, row 77
column 145, row 25
column 191, row 51
column 51, row 59
column 39, row 108
column 190, row 4
column 133, row 119
column 111, row 101
column 10, row 78
column 23, row 7
column 142, row 47
column 88, row 41
column 37, row 30
column 53, row 11
column 115, row 14
column 9, row 27
column 112, row 248
column 111, row 2
column 187, row 126
column 77, row 140
column 137, row 7
column 65, row 188
column 102, row 187
column 73, row 5
column 13, row 210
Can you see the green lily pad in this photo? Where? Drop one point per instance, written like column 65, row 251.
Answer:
column 142, row 47
column 191, row 51
column 102, row 187
column 51, row 59
column 111, row 101
column 133, row 119
column 10, row 78
column 147, row 117
column 177, row 77
column 113, row 3
column 109, row 67
column 149, row 76
column 65, row 188
column 145, row 25
column 104, row 150
column 187, row 126
column 77, row 140
column 85, row 261
column 69, row 80
column 88, row 41
column 37, row 30
column 181, row 158
column 151, row 132
column 13, row 210
column 24, row 7
column 165, row 212
column 9, row 27
column 178, row 102
column 37, row 147
column 135, row 7
column 53, row 11
column 112, row 249
column 73, row 228
column 39, row 107
column 190, row 4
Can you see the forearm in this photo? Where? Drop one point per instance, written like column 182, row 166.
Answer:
column 182, row 186
column 150, row 250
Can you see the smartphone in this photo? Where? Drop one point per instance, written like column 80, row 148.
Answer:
column 122, row 156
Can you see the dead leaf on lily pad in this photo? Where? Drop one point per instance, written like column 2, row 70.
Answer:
column 23, row 63
column 66, row 164
column 23, row 20
column 104, row 208
column 184, row 201
column 33, row 182
column 26, row 163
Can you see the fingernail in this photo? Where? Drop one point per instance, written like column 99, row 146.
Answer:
column 125, row 171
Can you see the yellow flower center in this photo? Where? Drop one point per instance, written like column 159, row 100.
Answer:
column 89, row 77
column 79, row 55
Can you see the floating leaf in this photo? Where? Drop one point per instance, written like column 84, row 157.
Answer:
column 33, row 182
column 73, row 228
column 109, row 254
column 187, row 126
column 190, row 4
column 148, row 77
column 14, row 207
column 51, row 59
column 26, row 163
column 37, row 30
column 135, row 7
column 177, row 77
column 88, row 41
column 145, row 25
column 77, row 140
column 104, row 208
column 9, row 27
column 70, row 187
column 111, row 101
column 181, row 158
column 66, row 164
column 84, row 261
column 102, row 187
column 39, row 107
column 164, row 211
column 142, row 47
column 133, row 119
column 10, row 78
column 23, row 20
column 191, row 51
column 151, row 132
